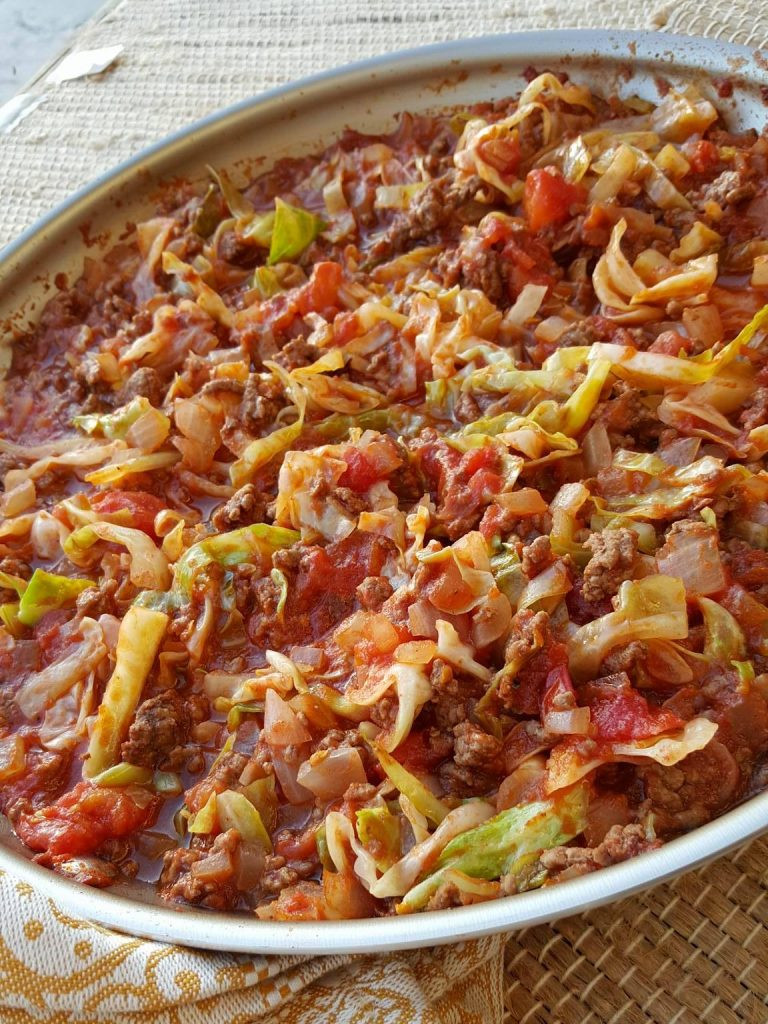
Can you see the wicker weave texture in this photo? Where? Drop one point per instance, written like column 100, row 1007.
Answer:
column 691, row 952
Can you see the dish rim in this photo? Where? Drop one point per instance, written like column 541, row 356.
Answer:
column 245, row 934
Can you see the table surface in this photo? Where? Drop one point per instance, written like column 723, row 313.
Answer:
column 32, row 33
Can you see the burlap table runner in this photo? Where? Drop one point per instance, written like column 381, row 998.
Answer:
column 693, row 951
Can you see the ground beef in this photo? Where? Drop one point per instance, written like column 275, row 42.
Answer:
column 262, row 401
column 483, row 268
column 624, row 659
column 384, row 711
column 452, row 695
column 96, row 601
column 693, row 791
column 260, row 597
column 621, row 843
column 233, row 249
column 187, row 875
column 161, row 728
column 756, row 412
column 528, row 635
column 278, row 874
column 373, row 592
column 15, row 567
column 467, row 410
column 448, row 895
column 461, row 781
column 432, row 208
column 537, row 556
column 296, row 352
column 475, row 748
column 223, row 384
column 350, row 503
column 337, row 738
column 146, row 383
column 626, row 416
column 613, row 555
column 728, row 189
column 247, row 505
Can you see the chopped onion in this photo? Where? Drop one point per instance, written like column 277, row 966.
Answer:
column 149, row 431
column 345, row 896
column 286, row 772
column 281, row 726
column 329, row 773
column 550, row 329
column 422, row 619
column 526, row 783
column 309, row 657
column 491, row 619
column 370, row 626
column 680, row 452
column 703, row 324
column 597, row 449
column 574, row 722
column 547, row 588
column 759, row 277
column 526, row 501
column 693, row 556
column 526, row 305
column 666, row 663
column 416, row 652
column 18, row 499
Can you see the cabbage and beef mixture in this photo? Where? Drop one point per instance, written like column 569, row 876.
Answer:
column 392, row 533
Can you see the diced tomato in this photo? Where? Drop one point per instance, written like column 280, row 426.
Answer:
column 531, row 681
column 51, row 635
column 749, row 567
column 703, row 156
column 360, row 473
column 142, row 506
column 582, row 611
column 446, row 589
column 479, row 458
column 548, row 198
column 84, row 818
column 346, row 326
column 620, row 713
column 462, row 483
column 416, row 754
column 322, row 593
column 750, row 614
column 671, row 343
column 503, row 154
column 485, row 485
column 304, row 901
column 493, row 523
column 559, row 694
column 321, row 293
column 296, row 845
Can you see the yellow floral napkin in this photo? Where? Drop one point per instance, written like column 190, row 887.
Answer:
column 182, row 59
column 55, row 968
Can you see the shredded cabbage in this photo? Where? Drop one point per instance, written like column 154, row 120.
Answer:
column 149, row 566
column 648, row 609
column 42, row 689
column 293, row 230
column 46, row 592
column 141, row 633
column 501, row 845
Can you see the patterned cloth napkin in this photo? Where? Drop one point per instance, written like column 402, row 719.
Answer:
column 181, row 60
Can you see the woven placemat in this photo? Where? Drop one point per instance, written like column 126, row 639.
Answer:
column 692, row 951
